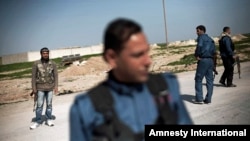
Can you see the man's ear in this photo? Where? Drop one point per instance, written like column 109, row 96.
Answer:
column 111, row 57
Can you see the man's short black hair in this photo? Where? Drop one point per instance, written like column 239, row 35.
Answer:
column 201, row 27
column 44, row 49
column 118, row 32
column 225, row 28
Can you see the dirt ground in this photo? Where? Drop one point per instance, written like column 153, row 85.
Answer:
column 81, row 76
column 230, row 106
column 75, row 78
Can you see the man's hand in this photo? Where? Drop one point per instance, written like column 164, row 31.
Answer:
column 234, row 56
column 34, row 92
column 56, row 90
column 198, row 58
column 31, row 93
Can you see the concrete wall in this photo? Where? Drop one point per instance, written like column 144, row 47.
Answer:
column 15, row 58
column 35, row 55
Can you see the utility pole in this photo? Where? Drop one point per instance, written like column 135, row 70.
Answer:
column 165, row 21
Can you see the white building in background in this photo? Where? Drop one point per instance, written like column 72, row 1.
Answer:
column 182, row 43
column 190, row 42
column 35, row 55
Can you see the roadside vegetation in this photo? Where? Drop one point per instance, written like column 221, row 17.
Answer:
column 241, row 47
column 23, row 70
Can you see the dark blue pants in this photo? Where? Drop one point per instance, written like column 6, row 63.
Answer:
column 204, row 68
column 228, row 70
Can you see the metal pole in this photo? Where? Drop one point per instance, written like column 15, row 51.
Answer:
column 165, row 21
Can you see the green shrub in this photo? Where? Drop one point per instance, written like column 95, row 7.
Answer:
column 185, row 60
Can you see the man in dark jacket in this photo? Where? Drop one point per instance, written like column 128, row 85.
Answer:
column 44, row 85
column 226, row 46
column 126, row 50
column 204, row 53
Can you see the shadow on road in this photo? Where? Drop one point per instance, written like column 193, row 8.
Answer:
column 216, row 85
column 44, row 118
column 188, row 97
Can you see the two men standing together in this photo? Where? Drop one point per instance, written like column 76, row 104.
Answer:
column 204, row 53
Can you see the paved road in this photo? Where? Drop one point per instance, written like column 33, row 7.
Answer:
column 229, row 106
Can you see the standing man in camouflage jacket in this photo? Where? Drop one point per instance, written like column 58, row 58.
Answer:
column 44, row 85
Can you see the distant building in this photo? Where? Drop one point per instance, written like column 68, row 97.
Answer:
column 35, row 55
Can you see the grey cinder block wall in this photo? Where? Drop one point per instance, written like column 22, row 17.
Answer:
column 35, row 55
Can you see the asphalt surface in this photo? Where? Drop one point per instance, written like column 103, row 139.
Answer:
column 229, row 106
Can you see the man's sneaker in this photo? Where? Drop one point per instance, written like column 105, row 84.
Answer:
column 232, row 85
column 34, row 126
column 50, row 122
column 206, row 102
column 197, row 102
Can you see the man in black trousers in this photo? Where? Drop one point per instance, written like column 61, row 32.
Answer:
column 226, row 47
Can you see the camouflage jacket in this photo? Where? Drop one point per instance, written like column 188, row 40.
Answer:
column 44, row 76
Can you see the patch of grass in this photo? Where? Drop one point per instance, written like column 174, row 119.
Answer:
column 20, row 74
column 86, row 57
column 15, row 66
column 240, row 47
column 246, row 40
column 159, row 53
column 179, row 51
column 24, row 65
column 185, row 60
column 57, row 60
column 181, row 47
column 24, row 70
column 247, row 53
column 178, row 71
column 162, row 45
column 247, row 35
column 217, row 47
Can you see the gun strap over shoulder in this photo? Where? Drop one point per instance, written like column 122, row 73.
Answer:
column 113, row 128
column 221, row 44
column 159, row 88
column 156, row 84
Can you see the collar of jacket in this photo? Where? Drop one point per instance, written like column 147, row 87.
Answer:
column 121, row 87
column 224, row 34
